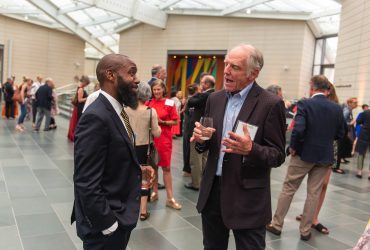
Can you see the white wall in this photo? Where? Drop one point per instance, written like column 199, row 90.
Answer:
column 39, row 50
column 353, row 55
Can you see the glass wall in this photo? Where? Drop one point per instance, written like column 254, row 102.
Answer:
column 325, row 55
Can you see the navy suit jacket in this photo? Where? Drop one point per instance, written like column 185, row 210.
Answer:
column 107, row 177
column 245, row 186
column 318, row 123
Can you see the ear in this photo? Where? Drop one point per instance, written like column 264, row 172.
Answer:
column 110, row 75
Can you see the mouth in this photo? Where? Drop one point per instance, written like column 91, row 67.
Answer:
column 228, row 80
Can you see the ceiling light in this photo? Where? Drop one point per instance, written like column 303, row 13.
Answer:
column 248, row 11
column 171, row 8
column 25, row 17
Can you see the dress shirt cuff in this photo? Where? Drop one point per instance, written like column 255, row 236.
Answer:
column 111, row 229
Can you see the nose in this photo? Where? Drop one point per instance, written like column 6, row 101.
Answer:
column 227, row 69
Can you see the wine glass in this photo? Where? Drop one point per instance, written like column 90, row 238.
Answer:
column 207, row 123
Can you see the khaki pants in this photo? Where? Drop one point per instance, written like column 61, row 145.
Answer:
column 197, row 162
column 296, row 172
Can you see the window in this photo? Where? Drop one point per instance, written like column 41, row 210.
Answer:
column 325, row 56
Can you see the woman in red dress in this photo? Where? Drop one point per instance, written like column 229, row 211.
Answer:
column 167, row 117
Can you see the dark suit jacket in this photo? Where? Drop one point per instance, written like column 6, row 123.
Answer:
column 318, row 123
column 44, row 96
column 245, row 185
column 107, row 177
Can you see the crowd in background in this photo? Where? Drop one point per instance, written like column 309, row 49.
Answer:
column 30, row 100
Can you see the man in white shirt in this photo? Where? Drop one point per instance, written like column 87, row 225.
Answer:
column 107, row 177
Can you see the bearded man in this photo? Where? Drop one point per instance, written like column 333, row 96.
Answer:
column 107, row 177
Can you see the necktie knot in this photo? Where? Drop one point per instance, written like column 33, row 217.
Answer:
column 126, row 120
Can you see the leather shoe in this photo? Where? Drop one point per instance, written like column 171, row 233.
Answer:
column 161, row 186
column 173, row 204
column 273, row 230
column 190, row 186
column 153, row 196
column 306, row 237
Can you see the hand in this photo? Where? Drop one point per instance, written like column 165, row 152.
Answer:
column 197, row 132
column 148, row 171
column 237, row 144
column 292, row 151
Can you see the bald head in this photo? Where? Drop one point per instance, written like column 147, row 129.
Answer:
column 111, row 62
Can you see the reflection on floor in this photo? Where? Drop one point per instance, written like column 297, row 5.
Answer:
column 36, row 197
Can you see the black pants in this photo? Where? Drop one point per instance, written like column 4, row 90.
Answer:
column 186, row 151
column 34, row 110
column 116, row 241
column 9, row 109
column 216, row 234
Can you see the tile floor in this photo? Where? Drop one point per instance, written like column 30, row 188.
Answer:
column 36, row 197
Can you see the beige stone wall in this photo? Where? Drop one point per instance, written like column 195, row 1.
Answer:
column 353, row 55
column 288, row 56
column 38, row 50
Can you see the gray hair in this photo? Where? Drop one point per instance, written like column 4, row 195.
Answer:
column 144, row 92
column 254, row 60
column 274, row 89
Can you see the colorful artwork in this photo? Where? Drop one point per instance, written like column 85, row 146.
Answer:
column 186, row 70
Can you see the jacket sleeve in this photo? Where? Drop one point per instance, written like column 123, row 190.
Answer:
column 299, row 127
column 271, row 152
column 91, row 144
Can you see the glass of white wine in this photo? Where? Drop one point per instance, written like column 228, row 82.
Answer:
column 207, row 123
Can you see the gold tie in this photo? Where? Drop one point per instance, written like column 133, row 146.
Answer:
column 126, row 120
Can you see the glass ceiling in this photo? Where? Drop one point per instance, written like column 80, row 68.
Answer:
column 98, row 22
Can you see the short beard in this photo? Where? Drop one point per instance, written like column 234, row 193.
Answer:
column 126, row 95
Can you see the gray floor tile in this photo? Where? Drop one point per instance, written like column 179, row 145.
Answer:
column 2, row 186
column 6, row 216
column 321, row 241
column 342, row 234
column 164, row 220
column 16, row 192
column 181, row 238
column 149, row 239
column 58, row 195
column 38, row 224
column 28, row 206
column 52, row 178
column 196, row 221
column 59, row 241
column 9, row 238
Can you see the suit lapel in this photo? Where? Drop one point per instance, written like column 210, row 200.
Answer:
column 119, row 125
column 220, row 107
column 249, row 104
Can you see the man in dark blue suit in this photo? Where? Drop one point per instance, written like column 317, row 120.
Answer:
column 318, row 123
column 107, row 177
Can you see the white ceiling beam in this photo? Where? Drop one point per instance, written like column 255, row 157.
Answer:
column 268, row 15
column 126, row 26
column 330, row 12
column 133, row 9
column 77, row 7
column 99, row 21
column 150, row 15
column 168, row 4
column 49, row 9
column 24, row 11
column 242, row 6
column 315, row 28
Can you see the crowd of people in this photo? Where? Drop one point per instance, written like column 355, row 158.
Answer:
column 123, row 134
column 30, row 100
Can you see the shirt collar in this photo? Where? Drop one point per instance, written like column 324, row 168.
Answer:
column 317, row 94
column 116, row 105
